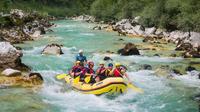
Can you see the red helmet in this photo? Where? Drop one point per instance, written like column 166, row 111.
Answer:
column 90, row 63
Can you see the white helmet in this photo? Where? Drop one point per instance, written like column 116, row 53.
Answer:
column 80, row 51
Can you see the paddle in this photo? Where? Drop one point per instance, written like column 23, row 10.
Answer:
column 139, row 90
column 61, row 76
column 76, row 80
column 130, row 85
column 88, row 77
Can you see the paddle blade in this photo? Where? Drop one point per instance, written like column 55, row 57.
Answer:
column 76, row 80
column 136, row 89
column 87, row 79
column 61, row 76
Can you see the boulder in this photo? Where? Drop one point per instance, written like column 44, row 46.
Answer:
column 192, row 53
column 11, row 72
column 97, row 28
column 195, row 39
column 10, row 57
column 150, row 31
column 87, row 18
column 29, row 80
column 35, row 75
column 178, row 34
column 190, row 68
column 159, row 32
column 146, row 67
column 176, row 71
column 184, row 47
column 106, row 58
column 52, row 49
column 17, row 13
column 129, row 49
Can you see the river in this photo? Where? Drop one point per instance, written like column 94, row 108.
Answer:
column 161, row 94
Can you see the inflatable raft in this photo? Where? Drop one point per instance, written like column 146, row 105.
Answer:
column 111, row 85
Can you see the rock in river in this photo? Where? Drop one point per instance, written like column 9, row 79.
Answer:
column 52, row 49
column 129, row 49
column 11, row 72
column 10, row 57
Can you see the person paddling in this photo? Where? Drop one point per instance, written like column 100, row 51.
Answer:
column 120, row 71
column 90, row 73
column 100, row 72
column 80, row 57
column 109, row 70
column 75, row 69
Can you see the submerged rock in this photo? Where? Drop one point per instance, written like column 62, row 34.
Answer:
column 31, row 80
column 11, row 72
column 129, row 49
column 146, row 67
column 10, row 57
column 190, row 68
column 106, row 58
column 52, row 49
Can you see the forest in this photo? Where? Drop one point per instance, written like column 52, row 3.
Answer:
column 168, row 14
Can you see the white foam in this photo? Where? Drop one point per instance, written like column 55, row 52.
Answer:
column 87, row 34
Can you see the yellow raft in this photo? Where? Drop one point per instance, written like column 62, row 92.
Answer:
column 111, row 85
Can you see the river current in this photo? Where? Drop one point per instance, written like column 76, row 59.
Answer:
column 161, row 94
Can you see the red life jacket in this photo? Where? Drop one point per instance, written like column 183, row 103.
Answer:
column 117, row 73
column 101, row 69
column 90, row 71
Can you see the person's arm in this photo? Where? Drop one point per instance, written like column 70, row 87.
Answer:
column 111, row 72
column 97, row 71
column 126, row 75
column 103, row 71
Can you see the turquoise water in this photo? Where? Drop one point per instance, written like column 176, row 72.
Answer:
column 161, row 94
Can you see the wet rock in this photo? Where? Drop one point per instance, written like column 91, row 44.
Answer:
column 147, row 67
column 129, row 49
column 110, row 52
column 97, row 28
column 184, row 47
column 10, row 57
column 106, row 58
column 190, row 68
column 176, row 71
column 36, row 76
column 52, row 49
column 156, row 55
column 191, row 54
column 196, row 98
column 11, row 72
column 120, row 39
column 31, row 80
column 147, row 39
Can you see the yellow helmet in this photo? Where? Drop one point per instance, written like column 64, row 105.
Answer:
column 117, row 64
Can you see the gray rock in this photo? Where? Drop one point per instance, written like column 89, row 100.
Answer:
column 150, row 31
column 52, row 49
column 11, row 72
column 9, row 56
column 195, row 39
column 159, row 32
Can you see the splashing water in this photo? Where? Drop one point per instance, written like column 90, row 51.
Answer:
column 160, row 94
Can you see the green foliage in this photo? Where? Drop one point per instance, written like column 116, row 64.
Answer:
column 169, row 14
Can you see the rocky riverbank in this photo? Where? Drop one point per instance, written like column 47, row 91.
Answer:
column 16, row 27
column 12, row 71
column 187, row 42
column 19, row 26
